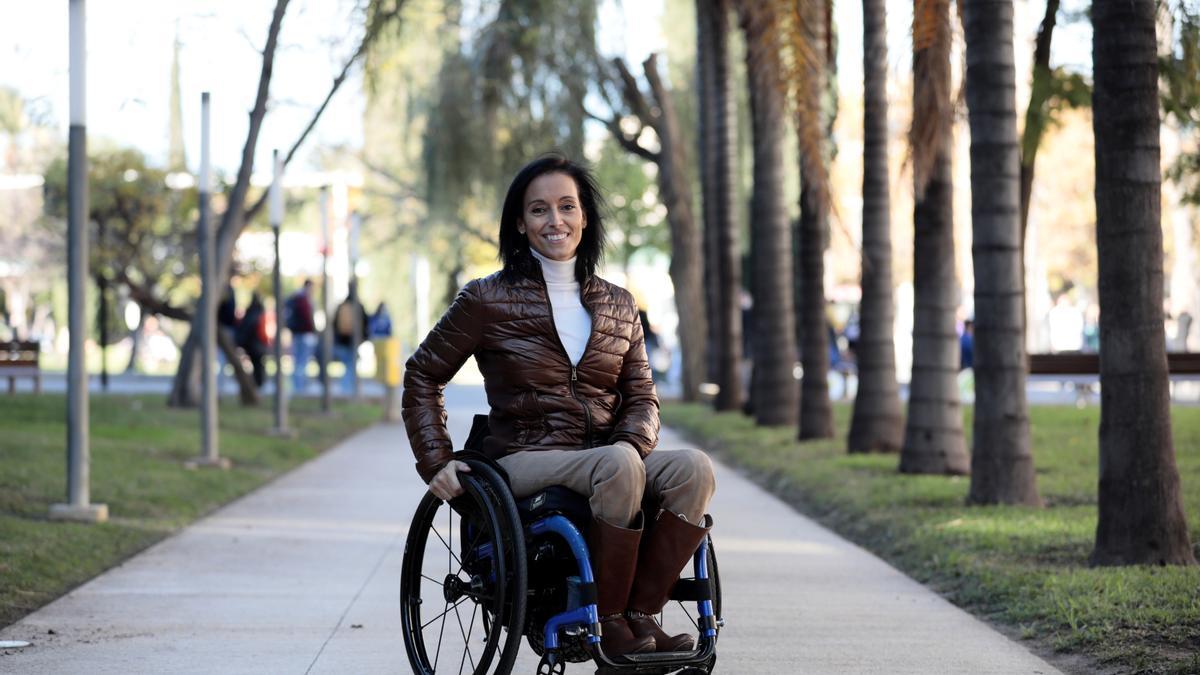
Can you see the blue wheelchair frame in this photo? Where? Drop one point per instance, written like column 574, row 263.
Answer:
column 585, row 617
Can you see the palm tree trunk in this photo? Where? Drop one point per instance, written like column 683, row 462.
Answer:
column 876, row 424
column 1141, row 511
column 776, row 393
column 816, row 412
column 706, row 143
column 933, row 436
column 726, row 239
column 1001, row 453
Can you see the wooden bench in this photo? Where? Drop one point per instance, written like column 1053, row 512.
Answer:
column 20, row 359
column 1178, row 363
column 1082, row 370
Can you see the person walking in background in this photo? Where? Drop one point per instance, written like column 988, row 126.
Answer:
column 252, row 337
column 227, row 322
column 966, row 346
column 344, row 340
column 380, row 325
column 298, row 315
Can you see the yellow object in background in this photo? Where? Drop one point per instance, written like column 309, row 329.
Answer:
column 387, row 361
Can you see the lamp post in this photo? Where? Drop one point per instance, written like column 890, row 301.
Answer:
column 78, row 506
column 355, row 303
column 210, row 455
column 276, row 202
column 327, row 329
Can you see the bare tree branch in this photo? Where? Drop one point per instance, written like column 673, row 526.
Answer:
column 375, row 23
column 630, row 144
column 633, row 95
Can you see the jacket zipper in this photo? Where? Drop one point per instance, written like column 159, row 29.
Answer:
column 587, row 412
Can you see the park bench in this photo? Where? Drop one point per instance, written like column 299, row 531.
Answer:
column 19, row 358
column 1082, row 370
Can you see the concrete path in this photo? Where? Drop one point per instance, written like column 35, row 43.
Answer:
column 302, row 576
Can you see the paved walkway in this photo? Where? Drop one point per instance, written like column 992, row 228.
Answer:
column 302, row 576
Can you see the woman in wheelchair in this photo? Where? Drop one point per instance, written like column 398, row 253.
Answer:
column 571, row 400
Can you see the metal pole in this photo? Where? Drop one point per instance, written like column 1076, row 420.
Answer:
column 210, row 451
column 327, row 329
column 102, row 286
column 355, row 341
column 276, row 202
column 78, row 506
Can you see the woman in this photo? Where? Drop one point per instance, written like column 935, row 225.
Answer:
column 572, row 402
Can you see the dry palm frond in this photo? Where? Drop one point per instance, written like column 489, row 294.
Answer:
column 796, row 31
column 932, row 105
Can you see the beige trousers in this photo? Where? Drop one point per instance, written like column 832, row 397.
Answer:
column 614, row 478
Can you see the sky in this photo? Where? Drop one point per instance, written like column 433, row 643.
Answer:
column 130, row 49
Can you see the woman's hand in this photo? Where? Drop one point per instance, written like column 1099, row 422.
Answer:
column 445, row 485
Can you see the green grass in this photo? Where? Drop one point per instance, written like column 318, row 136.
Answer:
column 138, row 448
column 1020, row 567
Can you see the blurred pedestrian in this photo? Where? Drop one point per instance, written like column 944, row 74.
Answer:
column 344, row 340
column 252, row 337
column 966, row 346
column 298, row 315
column 380, row 324
column 227, row 321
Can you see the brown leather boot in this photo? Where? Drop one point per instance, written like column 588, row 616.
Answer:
column 614, row 553
column 670, row 544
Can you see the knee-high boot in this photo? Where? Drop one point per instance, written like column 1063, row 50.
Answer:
column 614, row 552
column 669, row 545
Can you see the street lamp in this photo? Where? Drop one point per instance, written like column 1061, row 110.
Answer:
column 78, row 506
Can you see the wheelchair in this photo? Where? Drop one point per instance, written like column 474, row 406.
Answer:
column 485, row 570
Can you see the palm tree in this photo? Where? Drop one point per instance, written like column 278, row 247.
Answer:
column 1141, row 512
column 718, row 140
column 774, row 387
column 876, row 425
column 816, row 412
column 1001, row 456
column 933, row 437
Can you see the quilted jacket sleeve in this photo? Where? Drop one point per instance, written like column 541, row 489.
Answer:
column 445, row 349
column 637, row 421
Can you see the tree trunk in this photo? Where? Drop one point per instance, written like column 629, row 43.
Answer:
column 1141, row 511
column 816, row 412
column 876, row 424
column 1035, row 114
column 706, row 150
column 1001, row 453
column 776, row 393
column 728, row 268
column 933, row 436
column 687, row 262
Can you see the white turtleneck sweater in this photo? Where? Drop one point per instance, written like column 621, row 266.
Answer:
column 572, row 320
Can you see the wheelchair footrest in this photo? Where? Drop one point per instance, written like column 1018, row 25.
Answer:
column 548, row 666
column 650, row 658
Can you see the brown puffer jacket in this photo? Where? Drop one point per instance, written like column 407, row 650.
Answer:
column 538, row 400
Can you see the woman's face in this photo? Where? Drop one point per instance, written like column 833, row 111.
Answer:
column 552, row 217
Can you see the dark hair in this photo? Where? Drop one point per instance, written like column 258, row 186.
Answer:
column 514, row 246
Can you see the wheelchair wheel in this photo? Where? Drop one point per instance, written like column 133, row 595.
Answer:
column 463, row 580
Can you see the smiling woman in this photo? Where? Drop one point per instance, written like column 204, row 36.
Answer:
column 552, row 219
column 563, row 359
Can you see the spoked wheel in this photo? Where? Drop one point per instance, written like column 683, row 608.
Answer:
column 462, row 584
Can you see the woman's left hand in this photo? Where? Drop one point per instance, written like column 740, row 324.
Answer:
column 445, row 484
